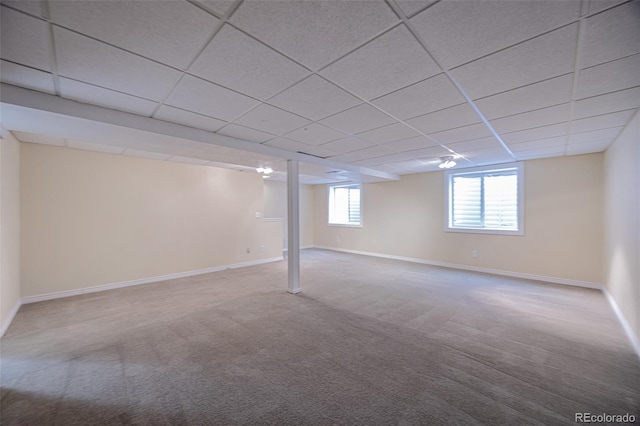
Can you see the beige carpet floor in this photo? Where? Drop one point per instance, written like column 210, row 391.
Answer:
column 368, row 342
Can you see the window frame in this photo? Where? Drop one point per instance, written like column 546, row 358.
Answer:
column 448, row 196
column 330, row 192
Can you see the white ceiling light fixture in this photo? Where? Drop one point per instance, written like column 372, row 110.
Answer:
column 265, row 170
column 447, row 162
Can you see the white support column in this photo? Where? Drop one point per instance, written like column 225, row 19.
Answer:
column 293, row 226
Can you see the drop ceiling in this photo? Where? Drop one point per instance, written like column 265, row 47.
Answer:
column 379, row 87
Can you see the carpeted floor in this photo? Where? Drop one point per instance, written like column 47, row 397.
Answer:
column 368, row 342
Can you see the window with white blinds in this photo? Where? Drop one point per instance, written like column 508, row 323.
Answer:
column 344, row 205
column 485, row 200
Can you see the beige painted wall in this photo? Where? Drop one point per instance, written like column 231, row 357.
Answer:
column 9, row 229
column 563, row 222
column 622, row 223
column 275, row 207
column 91, row 218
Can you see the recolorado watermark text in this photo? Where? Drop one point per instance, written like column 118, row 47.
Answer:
column 604, row 418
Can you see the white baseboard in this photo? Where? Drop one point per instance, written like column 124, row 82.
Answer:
column 633, row 339
column 10, row 318
column 105, row 287
column 553, row 280
column 301, row 248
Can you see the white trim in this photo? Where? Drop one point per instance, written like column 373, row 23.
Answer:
column 520, row 173
column 301, row 248
column 633, row 339
column 554, row 280
column 105, row 287
column 10, row 318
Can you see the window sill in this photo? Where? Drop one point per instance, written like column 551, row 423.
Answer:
column 485, row 231
column 345, row 225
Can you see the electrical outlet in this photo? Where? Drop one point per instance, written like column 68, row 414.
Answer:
column 262, row 249
column 337, row 239
column 474, row 253
column 258, row 215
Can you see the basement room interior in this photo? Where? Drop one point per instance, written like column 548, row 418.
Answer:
column 319, row 212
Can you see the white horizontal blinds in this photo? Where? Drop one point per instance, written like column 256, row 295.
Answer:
column 501, row 201
column 467, row 202
column 485, row 200
column 344, row 205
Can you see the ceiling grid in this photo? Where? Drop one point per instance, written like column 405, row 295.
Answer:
column 385, row 85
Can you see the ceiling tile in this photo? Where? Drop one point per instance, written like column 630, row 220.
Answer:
column 41, row 139
column 554, row 151
column 88, row 146
column 547, row 56
column 528, row 98
column 187, row 118
column 245, row 133
column 594, row 135
column 474, row 131
column 473, row 144
column 611, row 102
column 551, row 131
column 272, row 120
column 588, row 147
column 609, row 77
column 315, row 134
column 239, row 62
column 26, row 77
column 449, row 118
column 343, row 146
column 95, row 95
column 295, row 146
column 393, row 132
column 429, row 95
column 25, row 40
column 294, row 28
column 558, row 141
column 531, row 119
column 218, row 6
column 418, row 142
column 598, row 5
column 615, row 119
column 84, row 59
column 146, row 154
column 314, row 98
column 170, row 32
column 611, row 35
column 363, row 154
column 483, row 27
column 410, row 7
column 32, row 6
column 358, row 119
column 392, row 61
column 487, row 156
column 206, row 98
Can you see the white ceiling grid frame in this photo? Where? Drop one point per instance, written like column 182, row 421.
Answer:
column 169, row 32
column 482, row 28
column 237, row 61
column 82, row 58
column 409, row 25
column 394, row 53
column 286, row 27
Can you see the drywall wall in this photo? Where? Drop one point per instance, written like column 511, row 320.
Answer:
column 275, row 208
column 563, row 223
column 622, row 223
column 92, row 219
column 9, row 230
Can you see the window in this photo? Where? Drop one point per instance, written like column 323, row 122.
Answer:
column 485, row 200
column 344, row 205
